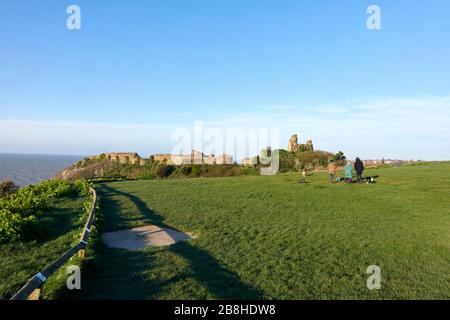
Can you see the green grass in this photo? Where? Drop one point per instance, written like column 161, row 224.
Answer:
column 19, row 261
column 271, row 237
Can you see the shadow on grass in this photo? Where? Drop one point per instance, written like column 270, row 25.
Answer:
column 123, row 274
column 60, row 218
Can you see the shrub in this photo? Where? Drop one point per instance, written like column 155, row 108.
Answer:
column 82, row 187
column 163, row 170
column 185, row 170
column 288, row 161
column 168, row 170
column 313, row 159
column 160, row 171
column 14, row 227
column 195, row 170
column 251, row 171
column 19, row 212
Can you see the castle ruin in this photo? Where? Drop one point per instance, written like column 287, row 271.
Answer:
column 294, row 146
column 122, row 157
column 195, row 157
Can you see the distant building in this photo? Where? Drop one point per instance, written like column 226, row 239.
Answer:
column 196, row 157
column 208, row 159
column 368, row 163
column 171, row 158
column 249, row 161
column 122, row 157
column 224, row 159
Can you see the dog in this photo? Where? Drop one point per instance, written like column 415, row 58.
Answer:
column 369, row 179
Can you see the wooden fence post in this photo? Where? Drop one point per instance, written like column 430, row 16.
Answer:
column 35, row 294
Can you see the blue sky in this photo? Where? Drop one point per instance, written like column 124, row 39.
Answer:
column 146, row 68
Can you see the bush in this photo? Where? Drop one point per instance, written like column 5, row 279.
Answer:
column 14, row 227
column 163, row 170
column 250, row 171
column 7, row 187
column 168, row 170
column 313, row 159
column 185, row 170
column 19, row 212
column 195, row 170
column 288, row 161
column 82, row 187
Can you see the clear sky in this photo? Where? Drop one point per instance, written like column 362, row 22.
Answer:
column 138, row 70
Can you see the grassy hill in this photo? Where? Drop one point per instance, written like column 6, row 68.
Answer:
column 271, row 237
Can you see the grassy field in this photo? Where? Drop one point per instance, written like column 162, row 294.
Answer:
column 21, row 260
column 271, row 237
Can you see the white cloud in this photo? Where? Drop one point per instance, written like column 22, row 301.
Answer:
column 389, row 127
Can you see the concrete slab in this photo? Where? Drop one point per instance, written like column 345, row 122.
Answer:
column 147, row 236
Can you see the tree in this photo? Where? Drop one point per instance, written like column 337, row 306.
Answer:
column 339, row 156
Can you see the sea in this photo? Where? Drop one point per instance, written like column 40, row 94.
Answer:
column 25, row 169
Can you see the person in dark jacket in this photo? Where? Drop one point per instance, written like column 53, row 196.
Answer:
column 359, row 168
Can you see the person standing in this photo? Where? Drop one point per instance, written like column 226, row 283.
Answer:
column 348, row 174
column 331, row 171
column 359, row 168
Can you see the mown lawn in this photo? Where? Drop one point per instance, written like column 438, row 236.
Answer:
column 271, row 237
column 19, row 261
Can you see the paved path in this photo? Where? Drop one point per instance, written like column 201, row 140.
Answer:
column 138, row 238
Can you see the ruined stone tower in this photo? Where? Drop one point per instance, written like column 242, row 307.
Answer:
column 294, row 146
column 293, row 143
